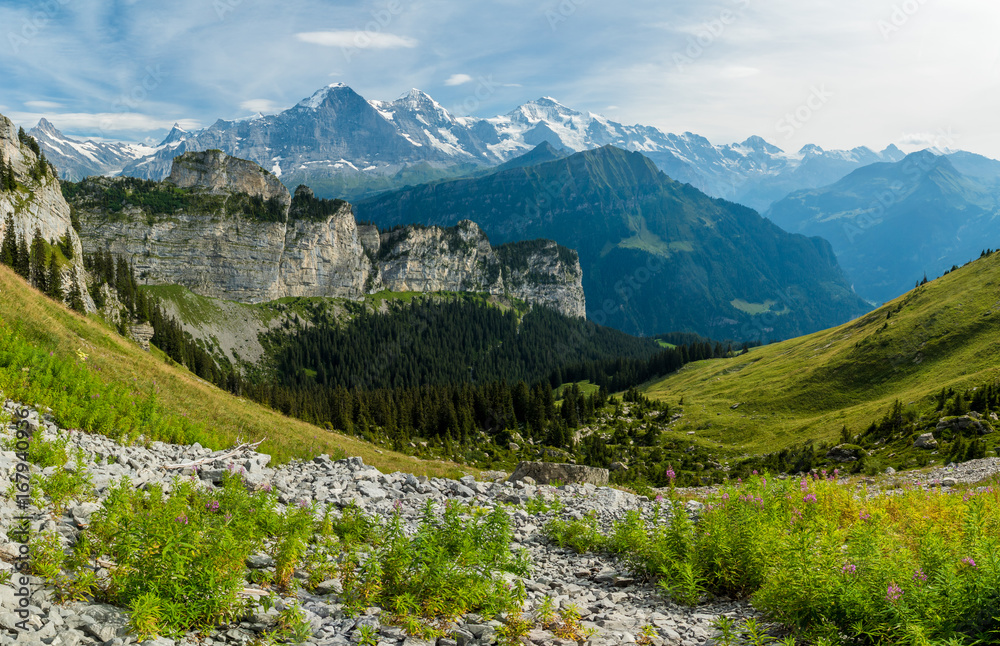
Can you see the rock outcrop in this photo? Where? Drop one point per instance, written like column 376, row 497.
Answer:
column 237, row 234
column 436, row 259
column 38, row 204
column 548, row 472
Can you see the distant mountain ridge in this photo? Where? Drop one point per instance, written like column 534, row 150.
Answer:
column 77, row 159
column 892, row 223
column 345, row 146
column 657, row 255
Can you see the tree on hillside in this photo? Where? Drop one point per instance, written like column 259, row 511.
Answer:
column 39, row 257
column 53, row 279
column 22, row 262
column 8, row 249
column 75, row 297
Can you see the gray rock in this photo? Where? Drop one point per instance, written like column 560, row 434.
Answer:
column 546, row 472
column 926, row 441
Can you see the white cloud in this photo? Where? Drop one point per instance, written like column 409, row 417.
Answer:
column 359, row 39
column 44, row 105
column 265, row 106
column 458, row 79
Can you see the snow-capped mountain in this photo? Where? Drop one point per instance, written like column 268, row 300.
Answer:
column 78, row 159
column 345, row 146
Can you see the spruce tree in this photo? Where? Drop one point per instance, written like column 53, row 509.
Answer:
column 75, row 296
column 8, row 250
column 53, row 279
column 39, row 256
column 22, row 263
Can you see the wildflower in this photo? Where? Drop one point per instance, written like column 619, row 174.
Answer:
column 182, row 519
column 725, row 497
column 659, row 498
column 893, row 593
column 919, row 576
column 396, row 505
column 849, row 568
column 755, row 471
column 229, row 517
column 670, row 473
column 864, row 516
column 303, row 503
column 810, row 497
column 212, row 506
column 763, row 481
column 968, row 560
column 804, row 485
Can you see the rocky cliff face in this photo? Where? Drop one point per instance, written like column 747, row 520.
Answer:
column 209, row 237
column 218, row 173
column 543, row 272
column 435, row 259
column 38, row 204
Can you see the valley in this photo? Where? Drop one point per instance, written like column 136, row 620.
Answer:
column 476, row 369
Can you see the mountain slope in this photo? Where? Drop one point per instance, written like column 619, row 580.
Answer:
column 943, row 334
column 77, row 159
column 657, row 255
column 890, row 224
column 116, row 362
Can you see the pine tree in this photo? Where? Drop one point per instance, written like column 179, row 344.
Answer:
column 75, row 297
column 8, row 250
column 22, row 263
column 39, row 255
column 53, row 279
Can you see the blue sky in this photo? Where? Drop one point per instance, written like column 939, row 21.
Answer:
column 837, row 73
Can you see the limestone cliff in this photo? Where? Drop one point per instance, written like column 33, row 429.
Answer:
column 435, row 259
column 228, row 229
column 37, row 203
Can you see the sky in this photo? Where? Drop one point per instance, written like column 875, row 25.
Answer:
column 836, row 73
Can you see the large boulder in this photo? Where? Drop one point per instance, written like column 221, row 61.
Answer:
column 547, row 472
column 845, row 453
column 926, row 441
column 963, row 424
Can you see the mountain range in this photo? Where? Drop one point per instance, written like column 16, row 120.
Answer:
column 891, row 224
column 345, row 146
column 657, row 255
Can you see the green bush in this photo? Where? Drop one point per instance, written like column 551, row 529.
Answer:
column 580, row 535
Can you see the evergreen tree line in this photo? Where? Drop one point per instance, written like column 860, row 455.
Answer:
column 452, row 415
column 168, row 334
column 40, row 264
column 41, row 168
column 442, row 343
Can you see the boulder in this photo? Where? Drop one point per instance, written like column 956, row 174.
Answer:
column 963, row 424
column 926, row 441
column 547, row 472
column 845, row 453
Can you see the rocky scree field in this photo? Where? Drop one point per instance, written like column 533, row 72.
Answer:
column 173, row 544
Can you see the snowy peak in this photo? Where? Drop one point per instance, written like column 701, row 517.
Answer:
column 45, row 126
column 175, row 136
column 75, row 159
column 322, row 96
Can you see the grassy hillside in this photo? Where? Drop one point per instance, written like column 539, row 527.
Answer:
column 42, row 345
column 943, row 334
